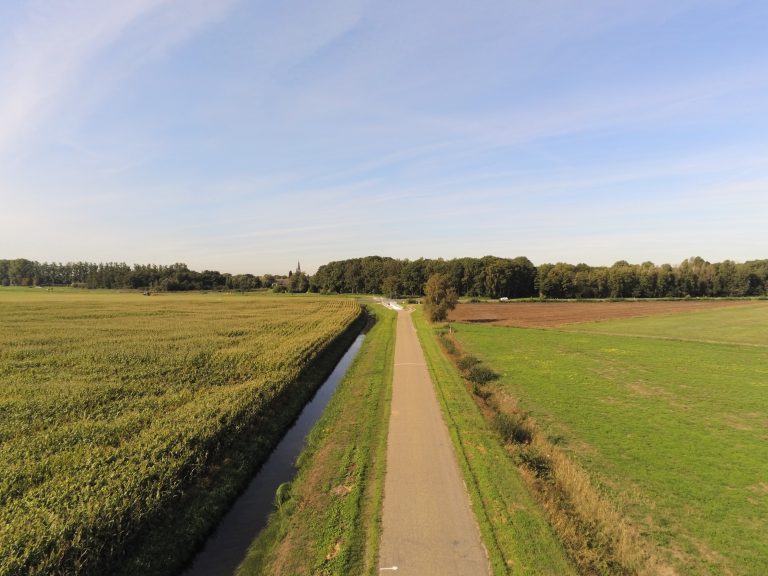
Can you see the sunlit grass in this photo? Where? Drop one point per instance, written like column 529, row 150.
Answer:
column 738, row 325
column 673, row 432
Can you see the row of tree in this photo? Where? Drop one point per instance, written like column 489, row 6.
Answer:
column 23, row 272
column 493, row 277
column 694, row 277
column 489, row 277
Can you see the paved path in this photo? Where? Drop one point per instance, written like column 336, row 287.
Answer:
column 428, row 526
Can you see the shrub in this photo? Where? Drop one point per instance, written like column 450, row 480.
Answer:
column 513, row 427
column 481, row 374
column 466, row 362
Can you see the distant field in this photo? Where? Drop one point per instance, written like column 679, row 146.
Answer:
column 745, row 324
column 549, row 314
column 111, row 405
column 673, row 432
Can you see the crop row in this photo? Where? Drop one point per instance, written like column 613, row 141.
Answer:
column 111, row 408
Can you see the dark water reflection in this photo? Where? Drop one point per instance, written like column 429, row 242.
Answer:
column 227, row 546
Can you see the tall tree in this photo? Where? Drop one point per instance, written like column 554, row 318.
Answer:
column 439, row 297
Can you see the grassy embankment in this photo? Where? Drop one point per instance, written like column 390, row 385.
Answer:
column 125, row 416
column 665, row 430
column 327, row 521
column 514, row 529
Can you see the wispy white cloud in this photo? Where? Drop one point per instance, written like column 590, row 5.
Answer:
column 234, row 135
column 45, row 60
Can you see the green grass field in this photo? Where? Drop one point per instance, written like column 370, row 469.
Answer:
column 330, row 524
column 673, row 432
column 113, row 405
column 742, row 325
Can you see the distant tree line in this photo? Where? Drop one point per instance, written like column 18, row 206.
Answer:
column 175, row 277
column 494, row 277
column 694, row 277
column 488, row 277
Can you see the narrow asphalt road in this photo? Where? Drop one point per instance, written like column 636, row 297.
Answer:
column 428, row 525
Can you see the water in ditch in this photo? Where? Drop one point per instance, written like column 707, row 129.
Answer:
column 227, row 546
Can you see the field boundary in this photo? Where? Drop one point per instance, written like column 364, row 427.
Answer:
column 597, row 538
column 329, row 521
column 517, row 536
column 492, row 546
column 546, row 314
column 193, row 517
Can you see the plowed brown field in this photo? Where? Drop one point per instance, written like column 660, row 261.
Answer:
column 549, row 314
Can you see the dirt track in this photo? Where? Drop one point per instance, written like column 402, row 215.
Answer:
column 548, row 314
column 428, row 525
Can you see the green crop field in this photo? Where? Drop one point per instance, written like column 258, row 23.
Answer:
column 667, row 415
column 112, row 405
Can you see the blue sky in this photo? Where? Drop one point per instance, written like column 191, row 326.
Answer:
column 244, row 136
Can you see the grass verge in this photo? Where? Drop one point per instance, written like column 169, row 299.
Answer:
column 593, row 533
column 328, row 519
column 516, row 534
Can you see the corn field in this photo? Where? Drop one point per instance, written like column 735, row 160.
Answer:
column 111, row 405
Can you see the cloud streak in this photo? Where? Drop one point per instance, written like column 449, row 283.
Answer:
column 46, row 58
column 236, row 135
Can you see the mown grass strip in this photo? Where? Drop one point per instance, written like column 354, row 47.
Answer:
column 328, row 521
column 518, row 539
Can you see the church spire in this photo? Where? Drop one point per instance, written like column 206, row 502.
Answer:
column 298, row 267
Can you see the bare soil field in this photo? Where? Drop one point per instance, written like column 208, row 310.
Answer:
column 550, row 314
